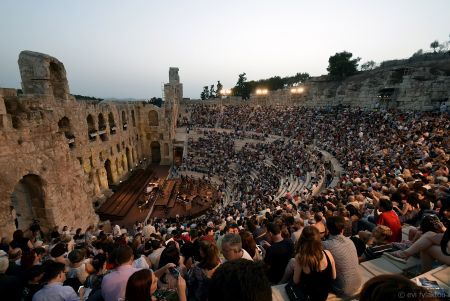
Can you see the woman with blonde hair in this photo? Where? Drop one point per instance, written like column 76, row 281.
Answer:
column 314, row 268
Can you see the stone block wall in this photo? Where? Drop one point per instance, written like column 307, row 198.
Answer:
column 423, row 85
column 59, row 156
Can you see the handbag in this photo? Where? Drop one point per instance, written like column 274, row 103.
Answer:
column 296, row 292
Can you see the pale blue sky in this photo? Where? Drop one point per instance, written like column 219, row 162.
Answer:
column 125, row 48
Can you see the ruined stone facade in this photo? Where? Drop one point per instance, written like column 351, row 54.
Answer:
column 404, row 85
column 59, row 155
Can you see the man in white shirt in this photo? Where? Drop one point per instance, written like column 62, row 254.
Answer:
column 232, row 248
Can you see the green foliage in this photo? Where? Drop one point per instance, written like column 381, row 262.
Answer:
column 242, row 88
column 82, row 97
column 299, row 78
column 212, row 93
column 434, row 45
column 369, row 65
column 205, row 94
column 156, row 101
column 418, row 53
column 342, row 65
column 219, row 88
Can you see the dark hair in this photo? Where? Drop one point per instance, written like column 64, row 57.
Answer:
column 396, row 197
column 169, row 255
column 335, row 224
column 18, row 235
column 27, row 259
column 156, row 244
column 424, row 204
column 98, row 261
column 210, row 255
column 430, row 223
column 273, row 228
column 138, row 286
column 317, row 217
column 385, row 204
column 233, row 226
column 389, row 287
column 35, row 271
column 58, row 250
column 52, row 270
column 39, row 250
column 76, row 256
column 193, row 233
column 413, row 198
column 122, row 254
column 248, row 243
column 240, row 280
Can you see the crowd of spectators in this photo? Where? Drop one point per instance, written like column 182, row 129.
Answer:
column 396, row 169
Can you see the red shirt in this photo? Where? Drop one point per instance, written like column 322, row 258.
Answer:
column 391, row 220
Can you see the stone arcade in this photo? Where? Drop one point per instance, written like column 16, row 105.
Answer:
column 58, row 155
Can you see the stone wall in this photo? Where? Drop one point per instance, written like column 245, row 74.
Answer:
column 58, row 155
column 409, row 85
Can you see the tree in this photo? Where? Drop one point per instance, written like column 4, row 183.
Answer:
column 341, row 65
column 212, row 93
column 418, row 53
column 369, row 65
column 219, row 88
column 434, row 45
column 242, row 87
column 205, row 94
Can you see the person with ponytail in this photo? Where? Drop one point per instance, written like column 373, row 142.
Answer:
column 200, row 274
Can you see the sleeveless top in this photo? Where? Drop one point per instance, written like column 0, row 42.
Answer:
column 318, row 284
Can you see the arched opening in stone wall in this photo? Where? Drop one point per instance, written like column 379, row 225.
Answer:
column 153, row 118
column 102, row 127
column 65, row 127
column 129, row 158
column 28, row 200
column 112, row 123
column 178, row 156
column 57, row 81
column 109, row 175
column 124, row 120
column 92, row 131
column 156, row 152
column 166, row 149
column 133, row 118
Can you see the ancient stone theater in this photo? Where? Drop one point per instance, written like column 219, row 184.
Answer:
column 60, row 155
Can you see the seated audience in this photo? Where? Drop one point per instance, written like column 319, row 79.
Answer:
column 348, row 279
column 54, row 276
column 314, row 269
column 240, row 280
